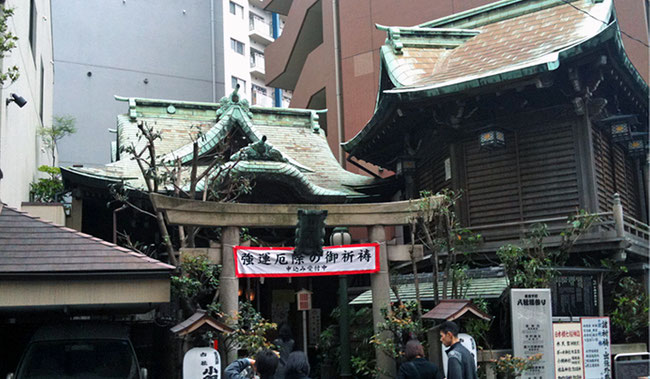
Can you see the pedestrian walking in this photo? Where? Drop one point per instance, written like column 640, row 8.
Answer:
column 461, row 362
column 285, row 345
column 297, row 366
column 416, row 366
column 264, row 364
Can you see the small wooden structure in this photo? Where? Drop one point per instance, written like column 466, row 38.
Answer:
column 196, row 321
column 453, row 309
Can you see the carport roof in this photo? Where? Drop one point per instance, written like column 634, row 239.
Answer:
column 29, row 245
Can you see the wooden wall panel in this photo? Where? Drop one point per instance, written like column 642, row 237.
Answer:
column 430, row 172
column 549, row 182
column 615, row 172
column 603, row 165
column 492, row 193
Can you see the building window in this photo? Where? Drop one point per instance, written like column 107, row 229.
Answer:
column 237, row 46
column 236, row 9
column 258, row 89
column 32, row 28
column 242, row 83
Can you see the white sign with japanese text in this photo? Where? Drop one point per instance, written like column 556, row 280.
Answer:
column 596, row 347
column 532, row 330
column 278, row 262
column 202, row 363
column 567, row 338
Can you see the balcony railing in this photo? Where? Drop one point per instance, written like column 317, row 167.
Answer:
column 618, row 231
column 261, row 100
column 257, row 64
column 260, row 31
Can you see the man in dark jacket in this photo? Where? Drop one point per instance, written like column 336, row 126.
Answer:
column 461, row 362
column 265, row 363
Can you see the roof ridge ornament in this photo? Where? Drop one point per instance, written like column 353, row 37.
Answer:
column 393, row 39
column 259, row 151
column 234, row 100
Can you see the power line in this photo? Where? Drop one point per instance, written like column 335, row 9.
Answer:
column 604, row 22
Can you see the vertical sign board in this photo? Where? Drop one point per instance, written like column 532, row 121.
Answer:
column 202, row 363
column 314, row 326
column 532, row 329
column 567, row 339
column 596, row 347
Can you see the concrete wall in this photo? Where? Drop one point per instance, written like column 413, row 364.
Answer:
column 106, row 48
column 122, row 44
column 26, row 293
column 52, row 212
column 20, row 147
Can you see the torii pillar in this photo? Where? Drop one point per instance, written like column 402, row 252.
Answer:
column 229, row 291
column 380, row 284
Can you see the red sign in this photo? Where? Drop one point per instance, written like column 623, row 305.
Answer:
column 304, row 300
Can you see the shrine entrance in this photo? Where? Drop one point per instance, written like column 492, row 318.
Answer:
column 233, row 216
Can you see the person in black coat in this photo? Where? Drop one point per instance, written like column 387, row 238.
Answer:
column 461, row 363
column 297, row 366
column 416, row 366
column 265, row 363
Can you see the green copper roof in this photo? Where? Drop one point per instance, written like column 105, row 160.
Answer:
column 307, row 161
column 501, row 42
column 479, row 288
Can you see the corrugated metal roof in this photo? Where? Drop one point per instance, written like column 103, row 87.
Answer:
column 479, row 288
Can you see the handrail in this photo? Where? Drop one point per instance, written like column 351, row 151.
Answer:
column 531, row 222
column 636, row 222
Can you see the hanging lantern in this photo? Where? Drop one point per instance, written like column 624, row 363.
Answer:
column 492, row 139
column 620, row 126
column 405, row 165
column 636, row 148
column 340, row 236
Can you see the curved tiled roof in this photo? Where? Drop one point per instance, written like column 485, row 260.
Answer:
column 503, row 41
column 295, row 133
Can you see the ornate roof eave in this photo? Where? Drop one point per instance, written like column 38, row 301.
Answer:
column 281, row 172
column 389, row 100
column 549, row 62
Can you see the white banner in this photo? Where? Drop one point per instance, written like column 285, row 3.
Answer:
column 279, row 262
column 567, row 339
column 596, row 347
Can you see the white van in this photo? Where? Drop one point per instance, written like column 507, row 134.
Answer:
column 79, row 350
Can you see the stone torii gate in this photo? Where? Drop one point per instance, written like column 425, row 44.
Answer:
column 233, row 216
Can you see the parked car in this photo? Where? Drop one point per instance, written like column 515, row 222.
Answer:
column 79, row 350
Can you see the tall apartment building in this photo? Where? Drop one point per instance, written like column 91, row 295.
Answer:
column 329, row 53
column 20, row 146
column 182, row 50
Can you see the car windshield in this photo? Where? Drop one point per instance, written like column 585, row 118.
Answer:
column 88, row 359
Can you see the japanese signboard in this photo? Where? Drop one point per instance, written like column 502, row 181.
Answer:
column 303, row 300
column 314, row 326
column 202, row 363
column 575, row 295
column 532, row 330
column 281, row 262
column 596, row 349
column 567, row 338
